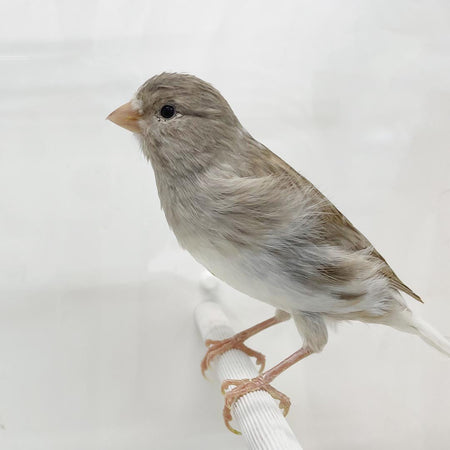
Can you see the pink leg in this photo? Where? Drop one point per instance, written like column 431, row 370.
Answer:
column 261, row 382
column 217, row 348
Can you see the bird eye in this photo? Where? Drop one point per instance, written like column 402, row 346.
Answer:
column 167, row 111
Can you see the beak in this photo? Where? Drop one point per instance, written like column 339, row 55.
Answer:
column 126, row 117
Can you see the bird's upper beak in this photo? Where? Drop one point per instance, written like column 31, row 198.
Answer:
column 126, row 116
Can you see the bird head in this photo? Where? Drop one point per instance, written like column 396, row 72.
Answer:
column 182, row 122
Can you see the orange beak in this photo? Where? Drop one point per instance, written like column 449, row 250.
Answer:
column 126, row 117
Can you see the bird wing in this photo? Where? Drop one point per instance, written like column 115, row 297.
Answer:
column 346, row 231
column 335, row 229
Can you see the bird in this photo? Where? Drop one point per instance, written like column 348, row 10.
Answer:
column 258, row 225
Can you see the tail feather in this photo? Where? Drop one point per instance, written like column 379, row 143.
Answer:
column 430, row 335
column 409, row 322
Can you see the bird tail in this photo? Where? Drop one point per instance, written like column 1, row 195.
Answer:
column 428, row 334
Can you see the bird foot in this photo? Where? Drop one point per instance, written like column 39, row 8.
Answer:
column 217, row 348
column 245, row 386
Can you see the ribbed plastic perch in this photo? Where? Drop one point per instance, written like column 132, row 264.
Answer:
column 256, row 414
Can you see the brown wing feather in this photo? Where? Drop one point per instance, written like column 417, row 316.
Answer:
column 355, row 237
column 338, row 228
column 395, row 280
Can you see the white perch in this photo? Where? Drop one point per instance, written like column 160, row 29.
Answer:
column 256, row 414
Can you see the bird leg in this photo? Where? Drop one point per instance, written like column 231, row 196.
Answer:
column 216, row 348
column 261, row 382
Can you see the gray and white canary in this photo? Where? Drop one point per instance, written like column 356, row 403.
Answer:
column 260, row 226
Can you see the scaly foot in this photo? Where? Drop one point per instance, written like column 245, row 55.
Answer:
column 243, row 387
column 217, row 348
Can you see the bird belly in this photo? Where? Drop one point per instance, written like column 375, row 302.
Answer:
column 253, row 276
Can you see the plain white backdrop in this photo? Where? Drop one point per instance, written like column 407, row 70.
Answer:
column 98, row 345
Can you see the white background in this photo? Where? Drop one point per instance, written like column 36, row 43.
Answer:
column 97, row 340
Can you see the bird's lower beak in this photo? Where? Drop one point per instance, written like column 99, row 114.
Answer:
column 127, row 117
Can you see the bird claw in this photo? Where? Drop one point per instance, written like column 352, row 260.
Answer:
column 216, row 348
column 243, row 387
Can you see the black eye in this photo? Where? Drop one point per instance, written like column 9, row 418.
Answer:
column 167, row 111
